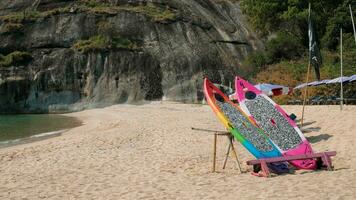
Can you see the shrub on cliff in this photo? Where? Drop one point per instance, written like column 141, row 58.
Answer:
column 102, row 43
column 11, row 28
column 156, row 13
column 16, row 58
column 20, row 17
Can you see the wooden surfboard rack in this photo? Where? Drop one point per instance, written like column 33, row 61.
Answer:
column 323, row 160
column 231, row 147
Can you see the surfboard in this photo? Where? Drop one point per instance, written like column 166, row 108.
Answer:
column 238, row 124
column 270, row 117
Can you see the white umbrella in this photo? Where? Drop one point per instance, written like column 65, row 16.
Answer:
column 327, row 81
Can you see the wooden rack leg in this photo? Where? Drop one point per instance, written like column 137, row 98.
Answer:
column 214, row 155
column 235, row 154
column 264, row 168
column 227, row 156
column 327, row 162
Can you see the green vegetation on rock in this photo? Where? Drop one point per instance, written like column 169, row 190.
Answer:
column 16, row 58
column 15, row 21
column 102, row 43
column 20, row 17
column 11, row 28
column 156, row 13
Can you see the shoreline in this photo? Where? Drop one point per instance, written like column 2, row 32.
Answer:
column 149, row 151
column 31, row 139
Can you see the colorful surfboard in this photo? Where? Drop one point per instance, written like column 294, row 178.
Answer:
column 239, row 124
column 275, row 122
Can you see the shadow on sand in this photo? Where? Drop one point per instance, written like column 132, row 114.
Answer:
column 313, row 139
column 308, row 130
column 305, row 123
column 305, row 129
column 318, row 138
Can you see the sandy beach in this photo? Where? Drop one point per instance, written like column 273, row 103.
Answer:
column 150, row 152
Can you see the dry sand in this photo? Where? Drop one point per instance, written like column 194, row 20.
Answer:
column 150, row 152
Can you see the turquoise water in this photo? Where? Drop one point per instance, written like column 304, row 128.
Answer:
column 14, row 127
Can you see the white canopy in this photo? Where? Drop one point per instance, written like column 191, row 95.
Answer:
column 339, row 79
column 328, row 81
column 352, row 78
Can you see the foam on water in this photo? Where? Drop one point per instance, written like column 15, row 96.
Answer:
column 48, row 133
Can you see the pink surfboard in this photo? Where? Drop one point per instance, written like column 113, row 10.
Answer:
column 276, row 123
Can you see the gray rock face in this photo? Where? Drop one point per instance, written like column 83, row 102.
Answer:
column 205, row 38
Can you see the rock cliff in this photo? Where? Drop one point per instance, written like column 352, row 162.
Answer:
column 66, row 55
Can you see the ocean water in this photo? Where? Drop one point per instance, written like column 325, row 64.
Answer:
column 16, row 127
